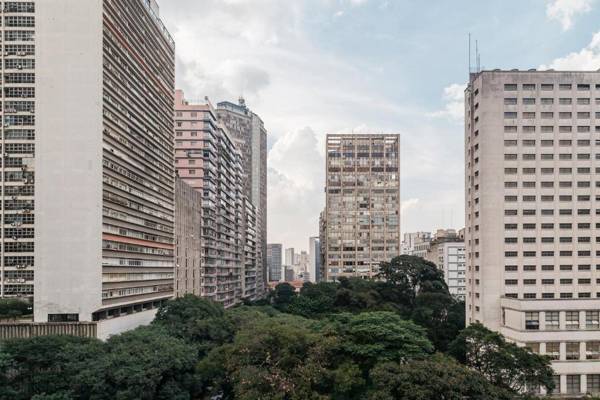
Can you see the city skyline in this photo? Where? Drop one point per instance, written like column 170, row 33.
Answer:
column 386, row 82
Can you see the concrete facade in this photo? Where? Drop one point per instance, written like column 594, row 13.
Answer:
column 532, row 165
column 188, row 240
column 362, row 212
column 17, row 209
column 104, row 199
column 314, row 259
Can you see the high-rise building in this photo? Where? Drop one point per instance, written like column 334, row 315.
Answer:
column 314, row 258
column 188, row 240
column 104, row 193
column 207, row 159
column 447, row 251
column 362, row 211
column 274, row 261
column 18, row 137
column 290, row 257
column 248, row 132
column 532, row 204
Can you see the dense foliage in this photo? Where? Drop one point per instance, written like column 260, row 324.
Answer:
column 14, row 308
column 400, row 337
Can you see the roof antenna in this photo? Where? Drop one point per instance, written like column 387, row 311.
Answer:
column 469, row 53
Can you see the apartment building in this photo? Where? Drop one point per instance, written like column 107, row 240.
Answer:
column 207, row 159
column 252, row 275
column 274, row 258
column 18, row 148
column 532, row 157
column 248, row 132
column 362, row 211
column 104, row 193
column 188, row 240
column 447, row 251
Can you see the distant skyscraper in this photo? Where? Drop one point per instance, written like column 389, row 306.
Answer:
column 362, row 213
column 274, row 261
column 532, row 165
column 415, row 243
column 104, row 194
column 290, row 257
column 314, row 258
column 250, row 136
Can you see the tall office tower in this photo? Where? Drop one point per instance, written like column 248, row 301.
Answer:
column 447, row 251
column 188, row 240
column 248, row 132
column 274, row 261
column 314, row 258
column 18, row 137
column 104, row 188
column 290, row 257
column 207, row 159
column 532, row 206
column 362, row 209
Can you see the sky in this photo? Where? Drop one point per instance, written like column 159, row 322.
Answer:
column 312, row 67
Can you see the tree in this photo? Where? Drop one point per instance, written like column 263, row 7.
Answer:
column 14, row 308
column 283, row 295
column 372, row 337
column 277, row 358
column 145, row 363
column 196, row 320
column 437, row 377
column 314, row 300
column 43, row 365
column 412, row 275
column 504, row 364
column 441, row 315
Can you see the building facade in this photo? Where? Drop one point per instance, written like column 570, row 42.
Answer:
column 248, row 132
column 104, row 168
column 314, row 259
column 362, row 211
column 447, row 251
column 274, row 261
column 207, row 159
column 290, row 256
column 17, row 266
column 188, row 240
column 532, row 161
column 412, row 239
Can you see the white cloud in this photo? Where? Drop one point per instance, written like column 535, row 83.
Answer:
column 565, row 10
column 295, row 190
column 587, row 58
column 455, row 103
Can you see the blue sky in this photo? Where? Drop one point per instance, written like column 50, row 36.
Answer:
column 328, row 66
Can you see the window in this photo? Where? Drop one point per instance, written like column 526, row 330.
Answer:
column 564, row 101
column 572, row 350
column 529, row 86
column 592, row 319
column 532, row 320
column 510, row 100
column 547, row 86
column 547, row 115
column 510, row 115
column 593, row 383
column 583, row 100
column 552, row 320
column 547, row 295
column 573, row 384
column 510, row 86
column 553, row 350
column 529, row 115
column 572, row 320
column 583, row 86
column 547, row 100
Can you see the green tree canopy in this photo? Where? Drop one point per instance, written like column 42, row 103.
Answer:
column 504, row 364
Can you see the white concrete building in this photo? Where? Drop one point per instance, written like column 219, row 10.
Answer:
column 104, row 167
column 533, row 215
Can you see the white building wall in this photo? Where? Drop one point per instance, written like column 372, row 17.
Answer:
column 68, row 160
